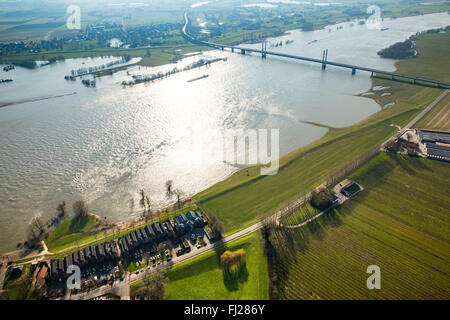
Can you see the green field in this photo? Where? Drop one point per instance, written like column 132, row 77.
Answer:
column 400, row 223
column 241, row 199
column 202, row 278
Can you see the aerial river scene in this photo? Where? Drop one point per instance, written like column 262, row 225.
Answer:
column 60, row 149
column 224, row 150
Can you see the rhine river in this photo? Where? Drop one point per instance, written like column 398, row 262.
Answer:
column 105, row 144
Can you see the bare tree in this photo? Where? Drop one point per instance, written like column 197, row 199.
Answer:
column 61, row 210
column 147, row 200
column 169, row 186
column 162, row 246
column 80, row 208
column 179, row 193
column 36, row 229
column 154, row 287
column 218, row 229
column 142, row 201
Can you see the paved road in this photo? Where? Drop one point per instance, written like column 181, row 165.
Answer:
column 119, row 287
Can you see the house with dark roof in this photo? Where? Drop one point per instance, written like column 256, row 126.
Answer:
column 108, row 252
column 76, row 258
column 197, row 214
column 190, row 215
column 124, row 248
column 54, row 270
column 144, row 235
column 82, row 260
column 68, row 261
column 350, row 190
column 114, row 253
column 157, row 230
column 182, row 217
column 150, row 232
column 60, row 266
column 101, row 252
column 87, row 254
column 199, row 222
column 93, row 253
column 134, row 240
column 190, row 225
column 138, row 236
column 169, row 229
column 179, row 228
column 129, row 242
column 164, row 234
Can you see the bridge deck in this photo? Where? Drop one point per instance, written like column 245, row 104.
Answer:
column 331, row 63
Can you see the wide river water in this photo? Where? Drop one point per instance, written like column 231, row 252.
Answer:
column 104, row 144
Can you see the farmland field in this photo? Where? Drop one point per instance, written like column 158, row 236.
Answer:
column 243, row 198
column 202, row 278
column 400, row 222
column 304, row 213
column 438, row 118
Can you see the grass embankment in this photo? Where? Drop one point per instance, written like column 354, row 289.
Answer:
column 70, row 231
column 202, row 278
column 399, row 222
column 241, row 199
column 437, row 118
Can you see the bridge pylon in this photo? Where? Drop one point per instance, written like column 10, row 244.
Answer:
column 324, row 59
column 264, row 49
